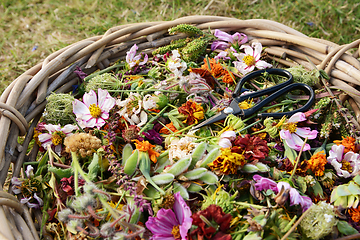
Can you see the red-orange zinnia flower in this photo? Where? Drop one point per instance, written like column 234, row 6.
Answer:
column 145, row 146
column 193, row 112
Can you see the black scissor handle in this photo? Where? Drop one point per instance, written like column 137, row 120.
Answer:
column 295, row 86
column 248, row 77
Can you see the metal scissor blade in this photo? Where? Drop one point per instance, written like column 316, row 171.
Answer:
column 232, row 109
column 218, row 117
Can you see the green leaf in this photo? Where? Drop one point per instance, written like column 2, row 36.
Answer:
column 290, row 153
column 61, row 173
column 131, row 163
column 318, row 189
column 345, row 228
column 357, row 179
column 42, row 163
column 94, row 167
column 323, row 74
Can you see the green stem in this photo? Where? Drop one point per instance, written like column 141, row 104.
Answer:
column 249, row 126
column 153, row 119
column 147, row 90
column 103, row 71
column 298, row 160
column 248, row 205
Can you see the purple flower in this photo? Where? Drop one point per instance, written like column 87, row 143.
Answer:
column 227, row 40
column 346, row 165
column 134, row 60
column 38, row 204
column 291, row 133
column 169, row 224
column 295, row 197
column 263, row 183
column 154, row 136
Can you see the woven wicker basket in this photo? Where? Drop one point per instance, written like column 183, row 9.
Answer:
column 23, row 102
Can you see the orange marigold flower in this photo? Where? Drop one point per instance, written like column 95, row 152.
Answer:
column 228, row 78
column 193, row 112
column 349, row 144
column 355, row 214
column 216, row 68
column 165, row 130
column 145, row 146
column 228, row 162
column 317, row 163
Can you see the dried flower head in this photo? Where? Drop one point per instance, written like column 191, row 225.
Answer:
column 83, row 143
column 58, row 109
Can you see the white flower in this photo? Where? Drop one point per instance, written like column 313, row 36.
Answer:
column 251, row 59
column 56, row 136
column 175, row 64
column 346, row 165
column 93, row 111
column 181, row 148
column 132, row 109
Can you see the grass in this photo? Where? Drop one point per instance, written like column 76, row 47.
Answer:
column 49, row 25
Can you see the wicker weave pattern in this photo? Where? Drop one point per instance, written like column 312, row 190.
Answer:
column 25, row 98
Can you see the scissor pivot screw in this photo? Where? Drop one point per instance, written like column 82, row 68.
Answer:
column 228, row 110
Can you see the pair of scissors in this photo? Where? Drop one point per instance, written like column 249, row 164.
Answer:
column 274, row 91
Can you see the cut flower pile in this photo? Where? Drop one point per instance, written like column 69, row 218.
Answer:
column 127, row 162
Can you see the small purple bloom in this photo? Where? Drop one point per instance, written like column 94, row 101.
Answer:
column 295, row 197
column 227, row 40
column 154, row 136
column 134, row 60
column 263, row 183
column 171, row 224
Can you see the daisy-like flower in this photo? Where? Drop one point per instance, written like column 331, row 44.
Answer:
column 175, row 64
column 171, row 224
column 226, row 40
column 291, row 133
column 132, row 108
column 250, row 60
column 228, row 162
column 94, row 110
column 134, row 60
column 56, row 136
column 346, row 165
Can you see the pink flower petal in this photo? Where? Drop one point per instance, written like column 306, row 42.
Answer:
column 90, row 98
column 306, row 132
column 68, row 128
column 223, row 35
column 257, row 50
column 297, row 117
column 262, row 65
column 80, row 108
column 299, row 142
column 288, row 137
column 248, row 50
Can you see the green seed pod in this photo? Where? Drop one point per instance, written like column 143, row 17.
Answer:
column 126, row 153
column 131, row 163
column 194, row 187
column 209, row 178
column 104, row 81
column 189, row 30
column 195, row 174
column 180, row 188
column 163, row 178
column 210, row 157
column 179, row 167
column 197, row 154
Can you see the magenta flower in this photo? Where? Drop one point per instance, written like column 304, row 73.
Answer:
column 295, row 197
column 134, row 60
column 56, row 135
column 250, row 59
column 227, row 40
column 291, row 133
column 169, row 224
column 346, row 165
column 263, row 183
column 93, row 111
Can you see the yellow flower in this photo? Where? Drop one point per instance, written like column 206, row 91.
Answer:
column 317, row 163
column 228, row 162
column 246, row 104
column 193, row 112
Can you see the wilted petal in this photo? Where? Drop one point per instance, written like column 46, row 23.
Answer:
column 248, row 50
column 225, row 143
column 68, row 128
column 40, row 201
column 183, row 214
column 29, row 171
column 80, row 108
column 231, row 135
column 52, row 128
column 297, row 117
column 262, row 64
column 90, row 98
column 106, row 102
column 257, row 50
column 306, row 132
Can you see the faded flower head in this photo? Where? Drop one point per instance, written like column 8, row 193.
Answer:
column 135, row 60
column 346, row 165
column 175, row 64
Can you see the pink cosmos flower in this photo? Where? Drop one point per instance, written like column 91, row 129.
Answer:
column 169, row 224
column 132, row 59
column 291, row 133
column 56, row 135
column 227, row 40
column 263, row 184
column 226, row 138
column 250, row 59
column 93, row 111
column 345, row 165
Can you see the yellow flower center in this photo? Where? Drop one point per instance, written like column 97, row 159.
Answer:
column 249, row 60
column 57, row 137
column 290, row 126
column 176, row 232
column 95, row 111
column 346, row 166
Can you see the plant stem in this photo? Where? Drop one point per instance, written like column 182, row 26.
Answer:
column 245, row 204
column 298, row 159
column 153, row 119
column 297, row 223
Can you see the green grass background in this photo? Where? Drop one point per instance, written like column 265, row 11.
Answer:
column 49, row 25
